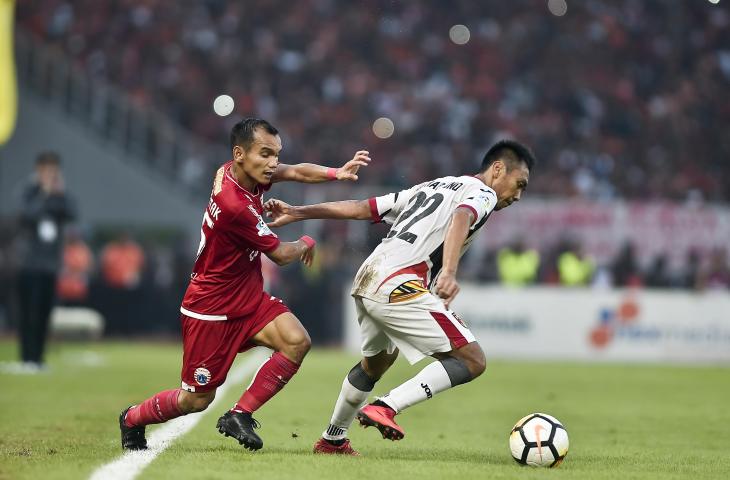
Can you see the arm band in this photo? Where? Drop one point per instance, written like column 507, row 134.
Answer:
column 308, row 240
column 332, row 173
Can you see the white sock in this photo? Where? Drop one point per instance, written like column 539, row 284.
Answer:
column 348, row 403
column 427, row 383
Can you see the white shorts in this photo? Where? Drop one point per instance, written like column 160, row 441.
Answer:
column 418, row 327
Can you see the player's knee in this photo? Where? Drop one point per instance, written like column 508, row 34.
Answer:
column 195, row 402
column 359, row 378
column 471, row 358
column 372, row 371
column 304, row 344
column 200, row 404
column 481, row 364
column 392, row 357
column 376, row 366
column 298, row 345
column 476, row 361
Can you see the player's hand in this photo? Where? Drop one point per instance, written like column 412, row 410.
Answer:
column 280, row 212
column 308, row 255
column 447, row 287
column 349, row 170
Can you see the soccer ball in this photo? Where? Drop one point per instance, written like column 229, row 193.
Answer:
column 539, row 440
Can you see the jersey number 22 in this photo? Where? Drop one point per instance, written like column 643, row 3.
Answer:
column 423, row 204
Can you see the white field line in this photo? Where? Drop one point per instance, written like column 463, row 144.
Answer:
column 131, row 463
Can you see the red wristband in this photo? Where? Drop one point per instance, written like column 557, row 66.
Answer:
column 332, row 173
column 308, row 240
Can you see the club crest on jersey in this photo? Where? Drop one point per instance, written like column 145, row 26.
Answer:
column 202, row 376
column 261, row 226
column 486, row 197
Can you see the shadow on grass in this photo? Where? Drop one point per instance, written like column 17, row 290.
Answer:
column 414, row 455
column 442, row 455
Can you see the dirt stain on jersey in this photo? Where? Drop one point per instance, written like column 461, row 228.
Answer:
column 366, row 277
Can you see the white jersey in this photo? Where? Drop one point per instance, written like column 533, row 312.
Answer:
column 409, row 258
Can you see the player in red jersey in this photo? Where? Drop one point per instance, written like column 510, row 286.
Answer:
column 225, row 309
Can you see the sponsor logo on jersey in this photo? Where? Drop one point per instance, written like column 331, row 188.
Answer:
column 407, row 291
column 261, row 226
column 202, row 376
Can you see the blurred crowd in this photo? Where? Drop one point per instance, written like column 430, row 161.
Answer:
column 136, row 281
column 620, row 99
column 567, row 265
column 137, row 284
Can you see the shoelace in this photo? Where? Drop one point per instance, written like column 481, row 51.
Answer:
column 254, row 422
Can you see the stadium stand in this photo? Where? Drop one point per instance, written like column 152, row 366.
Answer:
column 322, row 81
column 620, row 128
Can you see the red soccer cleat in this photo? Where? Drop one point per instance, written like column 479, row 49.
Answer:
column 323, row 446
column 382, row 419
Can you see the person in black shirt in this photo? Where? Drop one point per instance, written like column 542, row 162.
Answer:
column 45, row 209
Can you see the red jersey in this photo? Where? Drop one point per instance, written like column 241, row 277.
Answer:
column 226, row 281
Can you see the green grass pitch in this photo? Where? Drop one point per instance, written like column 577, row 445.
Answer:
column 628, row 422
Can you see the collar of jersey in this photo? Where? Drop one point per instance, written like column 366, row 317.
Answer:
column 230, row 177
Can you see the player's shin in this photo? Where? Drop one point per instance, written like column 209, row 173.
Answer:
column 159, row 408
column 354, row 393
column 436, row 377
column 271, row 377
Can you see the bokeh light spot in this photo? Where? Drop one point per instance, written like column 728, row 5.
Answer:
column 383, row 127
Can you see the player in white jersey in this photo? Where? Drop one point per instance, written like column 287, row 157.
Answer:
column 403, row 290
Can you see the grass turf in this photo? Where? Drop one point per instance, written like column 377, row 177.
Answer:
column 631, row 422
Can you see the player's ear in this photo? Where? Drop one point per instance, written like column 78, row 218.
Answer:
column 237, row 152
column 503, row 167
column 498, row 168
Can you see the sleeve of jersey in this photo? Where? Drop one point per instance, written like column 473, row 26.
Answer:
column 481, row 201
column 250, row 228
column 386, row 208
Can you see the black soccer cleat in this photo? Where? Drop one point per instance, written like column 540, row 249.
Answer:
column 240, row 426
column 132, row 437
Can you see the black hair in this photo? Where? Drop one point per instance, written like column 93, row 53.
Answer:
column 511, row 152
column 242, row 133
column 48, row 158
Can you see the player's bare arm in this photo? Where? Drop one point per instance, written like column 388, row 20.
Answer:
column 288, row 252
column 312, row 173
column 446, row 285
column 282, row 213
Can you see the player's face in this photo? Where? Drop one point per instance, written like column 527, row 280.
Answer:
column 510, row 185
column 259, row 162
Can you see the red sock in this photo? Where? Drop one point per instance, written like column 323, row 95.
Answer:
column 158, row 408
column 271, row 377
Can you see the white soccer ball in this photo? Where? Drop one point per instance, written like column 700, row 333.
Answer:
column 539, row 440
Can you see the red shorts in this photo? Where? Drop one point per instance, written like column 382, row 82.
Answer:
column 210, row 346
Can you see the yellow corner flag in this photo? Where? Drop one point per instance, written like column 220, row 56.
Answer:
column 8, row 88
